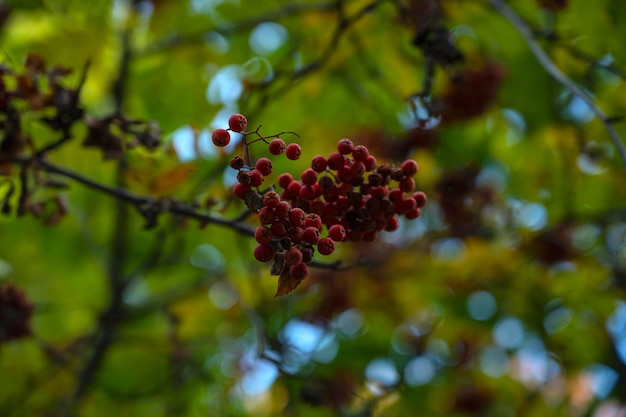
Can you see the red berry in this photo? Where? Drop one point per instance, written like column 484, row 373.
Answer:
column 256, row 178
column 263, row 252
column 237, row 162
column 299, row 271
column 396, row 195
column 297, row 217
column 264, row 165
column 404, row 206
column 309, row 176
column 243, row 177
column 307, row 192
column 392, row 224
column 240, row 190
column 319, row 163
column 282, row 210
column 412, row 214
column 277, row 146
column 313, row 220
column 271, row 199
column 278, row 229
column 326, row 246
column 380, row 191
column 335, row 161
column 293, row 256
column 407, row 184
column 220, row 137
column 360, row 153
column 263, row 234
column 345, row 146
column 295, row 234
column 267, row 215
column 420, row 198
column 294, row 188
column 409, row 167
column 357, row 169
column 237, row 122
column 293, row 151
column 370, row 163
column 311, row 235
column 337, row 232
column 285, row 179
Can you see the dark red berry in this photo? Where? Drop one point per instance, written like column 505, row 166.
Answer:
column 360, row 153
column 264, row 165
column 243, row 177
column 267, row 215
column 256, row 178
column 263, row 252
column 293, row 256
column 237, row 122
column 295, row 234
column 370, row 163
column 297, row 217
column 285, row 179
column 313, row 220
column 299, row 271
column 307, row 192
column 282, row 210
column 220, row 137
column 311, row 235
column 345, row 146
column 420, row 198
column 326, row 246
column 294, row 188
column 319, row 163
column 293, row 151
column 237, row 162
column 409, row 168
column 263, row 234
column 240, row 190
column 337, row 232
column 271, row 199
column 335, row 161
column 392, row 224
column 277, row 146
column 412, row 214
column 309, row 176
column 407, row 185
column 278, row 229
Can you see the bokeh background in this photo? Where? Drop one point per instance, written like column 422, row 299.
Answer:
column 505, row 298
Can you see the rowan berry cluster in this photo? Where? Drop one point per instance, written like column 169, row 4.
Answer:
column 348, row 194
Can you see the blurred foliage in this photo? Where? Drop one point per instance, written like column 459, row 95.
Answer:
column 505, row 298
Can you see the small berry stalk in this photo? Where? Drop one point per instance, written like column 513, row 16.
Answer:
column 346, row 193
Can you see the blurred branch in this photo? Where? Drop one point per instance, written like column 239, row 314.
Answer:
column 545, row 61
column 288, row 10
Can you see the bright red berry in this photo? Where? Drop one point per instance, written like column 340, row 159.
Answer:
column 326, row 246
column 299, row 271
column 293, row 256
column 264, row 165
column 277, row 146
column 409, row 167
column 220, row 137
column 263, row 252
column 337, row 232
column 293, row 151
column 237, row 122
column 345, row 146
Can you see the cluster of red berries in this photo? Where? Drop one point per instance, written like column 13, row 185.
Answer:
column 348, row 193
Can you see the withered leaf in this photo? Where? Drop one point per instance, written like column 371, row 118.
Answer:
column 277, row 264
column 253, row 200
column 286, row 283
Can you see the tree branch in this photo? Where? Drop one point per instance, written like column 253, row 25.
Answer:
column 545, row 61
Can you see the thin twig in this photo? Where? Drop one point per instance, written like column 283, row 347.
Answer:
column 545, row 61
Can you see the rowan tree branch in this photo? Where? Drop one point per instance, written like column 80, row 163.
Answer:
column 520, row 25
